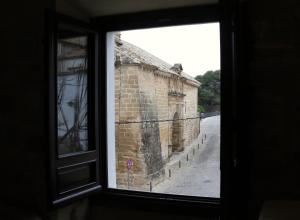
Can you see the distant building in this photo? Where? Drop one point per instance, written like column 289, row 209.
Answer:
column 155, row 111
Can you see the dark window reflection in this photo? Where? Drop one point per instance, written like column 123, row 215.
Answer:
column 72, row 119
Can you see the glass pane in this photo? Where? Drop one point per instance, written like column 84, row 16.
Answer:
column 166, row 104
column 72, row 110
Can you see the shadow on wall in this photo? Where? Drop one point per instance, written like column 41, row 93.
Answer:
column 177, row 144
column 151, row 146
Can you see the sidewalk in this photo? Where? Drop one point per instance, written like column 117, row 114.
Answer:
column 182, row 159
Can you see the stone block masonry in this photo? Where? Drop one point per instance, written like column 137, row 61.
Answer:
column 156, row 115
column 145, row 123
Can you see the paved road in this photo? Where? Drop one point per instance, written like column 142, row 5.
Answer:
column 202, row 176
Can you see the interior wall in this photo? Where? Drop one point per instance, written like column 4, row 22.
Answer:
column 271, row 106
column 23, row 109
column 273, row 63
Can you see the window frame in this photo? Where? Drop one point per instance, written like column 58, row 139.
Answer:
column 69, row 162
column 100, row 193
column 211, row 207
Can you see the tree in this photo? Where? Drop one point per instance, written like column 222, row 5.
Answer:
column 209, row 91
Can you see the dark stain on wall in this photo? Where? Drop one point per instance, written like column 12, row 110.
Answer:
column 151, row 145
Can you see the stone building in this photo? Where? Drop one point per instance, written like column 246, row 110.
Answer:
column 155, row 112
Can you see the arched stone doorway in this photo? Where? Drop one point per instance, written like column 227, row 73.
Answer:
column 177, row 145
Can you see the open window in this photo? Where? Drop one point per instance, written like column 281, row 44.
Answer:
column 101, row 91
column 162, row 142
column 74, row 156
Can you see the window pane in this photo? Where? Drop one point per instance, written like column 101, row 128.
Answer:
column 72, row 92
column 166, row 105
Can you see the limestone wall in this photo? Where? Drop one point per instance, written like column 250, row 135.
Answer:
column 161, row 96
column 192, row 123
column 144, row 122
column 152, row 110
column 128, row 133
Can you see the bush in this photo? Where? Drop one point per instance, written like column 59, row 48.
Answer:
column 201, row 108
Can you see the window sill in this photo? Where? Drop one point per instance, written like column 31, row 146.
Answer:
column 147, row 201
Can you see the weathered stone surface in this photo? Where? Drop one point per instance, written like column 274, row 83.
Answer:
column 144, row 115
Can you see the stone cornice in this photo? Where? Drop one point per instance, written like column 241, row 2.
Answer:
column 156, row 71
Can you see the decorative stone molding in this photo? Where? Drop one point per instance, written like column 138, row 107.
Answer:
column 177, row 94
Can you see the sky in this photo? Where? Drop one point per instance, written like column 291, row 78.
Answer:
column 196, row 47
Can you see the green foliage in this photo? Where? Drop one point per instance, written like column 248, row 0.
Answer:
column 201, row 108
column 209, row 91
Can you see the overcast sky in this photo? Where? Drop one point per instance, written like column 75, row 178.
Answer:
column 196, row 47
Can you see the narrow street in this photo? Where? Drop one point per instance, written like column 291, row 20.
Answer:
column 201, row 177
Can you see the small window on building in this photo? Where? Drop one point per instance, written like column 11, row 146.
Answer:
column 164, row 110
